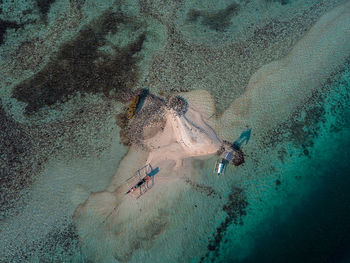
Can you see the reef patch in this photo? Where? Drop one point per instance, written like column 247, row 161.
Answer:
column 83, row 66
column 216, row 20
column 235, row 209
column 44, row 7
column 203, row 189
column 17, row 162
column 4, row 25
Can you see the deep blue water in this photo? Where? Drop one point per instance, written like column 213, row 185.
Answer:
column 318, row 227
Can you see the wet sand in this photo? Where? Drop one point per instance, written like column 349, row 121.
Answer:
column 168, row 149
column 276, row 90
column 273, row 94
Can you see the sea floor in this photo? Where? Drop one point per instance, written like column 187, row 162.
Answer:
column 60, row 143
column 298, row 194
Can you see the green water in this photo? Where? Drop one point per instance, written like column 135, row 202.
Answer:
column 309, row 211
column 67, row 65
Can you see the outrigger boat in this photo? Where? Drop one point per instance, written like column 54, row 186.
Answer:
column 220, row 165
column 142, row 180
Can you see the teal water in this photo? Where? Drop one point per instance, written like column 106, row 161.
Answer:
column 290, row 202
column 311, row 222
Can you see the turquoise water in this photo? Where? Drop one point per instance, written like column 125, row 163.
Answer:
column 309, row 222
column 67, row 67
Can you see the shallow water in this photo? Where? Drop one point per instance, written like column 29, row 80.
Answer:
column 289, row 202
column 309, row 209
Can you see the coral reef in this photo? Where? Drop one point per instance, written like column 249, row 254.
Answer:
column 178, row 104
column 150, row 114
column 235, row 209
column 215, row 20
column 4, row 25
column 81, row 66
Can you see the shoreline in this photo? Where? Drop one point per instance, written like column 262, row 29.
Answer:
column 171, row 150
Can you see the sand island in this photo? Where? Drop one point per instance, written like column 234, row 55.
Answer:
column 166, row 134
column 169, row 133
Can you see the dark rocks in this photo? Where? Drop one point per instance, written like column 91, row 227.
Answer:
column 235, row 209
column 80, row 66
column 238, row 157
column 178, row 104
column 217, row 20
column 4, row 25
column 204, row 189
column 149, row 116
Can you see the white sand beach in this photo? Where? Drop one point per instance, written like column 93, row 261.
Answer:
column 181, row 138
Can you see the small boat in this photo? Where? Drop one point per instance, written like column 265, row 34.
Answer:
column 142, row 180
column 220, row 165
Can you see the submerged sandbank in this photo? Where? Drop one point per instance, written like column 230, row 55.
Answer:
column 277, row 89
column 111, row 225
column 127, row 220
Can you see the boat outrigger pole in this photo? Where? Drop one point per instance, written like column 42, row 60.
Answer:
column 142, row 179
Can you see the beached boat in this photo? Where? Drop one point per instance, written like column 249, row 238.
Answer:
column 142, row 180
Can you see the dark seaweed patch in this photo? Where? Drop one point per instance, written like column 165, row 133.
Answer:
column 299, row 130
column 44, row 7
column 282, row 2
column 60, row 242
column 81, row 67
column 277, row 183
column 4, row 25
column 235, row 209
column 204, row 189
column 216, row 20
column 15, row 145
